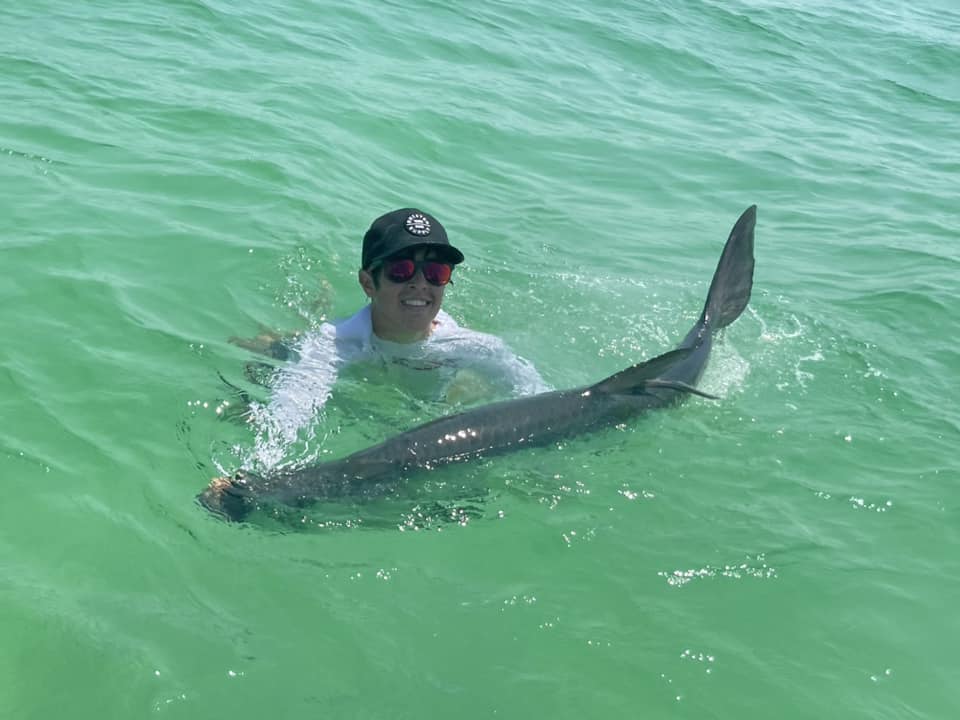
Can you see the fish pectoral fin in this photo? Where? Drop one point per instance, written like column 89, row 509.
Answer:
column 639, row 378
column 680, row 386
column 631, row 380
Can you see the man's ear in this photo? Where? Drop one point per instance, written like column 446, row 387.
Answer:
column 366, row 282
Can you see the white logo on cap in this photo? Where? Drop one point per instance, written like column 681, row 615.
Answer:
column 417, row 224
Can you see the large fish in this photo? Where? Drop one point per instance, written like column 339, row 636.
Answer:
column 511, row 425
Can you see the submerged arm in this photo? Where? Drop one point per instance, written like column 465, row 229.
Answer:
column 299, row 390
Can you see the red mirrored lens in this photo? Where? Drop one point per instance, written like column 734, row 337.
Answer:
column 403, row 270
column 437, row 273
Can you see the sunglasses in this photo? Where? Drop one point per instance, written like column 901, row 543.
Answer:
column 402, row 270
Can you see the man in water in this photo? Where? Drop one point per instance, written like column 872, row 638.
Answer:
column 406, row 263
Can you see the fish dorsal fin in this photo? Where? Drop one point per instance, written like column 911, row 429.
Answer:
column 638, row 378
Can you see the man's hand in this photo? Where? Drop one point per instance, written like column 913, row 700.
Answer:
column 268, row 342
column 467, row 388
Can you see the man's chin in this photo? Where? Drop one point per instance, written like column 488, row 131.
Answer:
column 407, row 323
column 416, row 327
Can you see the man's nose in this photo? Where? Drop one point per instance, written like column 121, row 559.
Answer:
column 418, row 279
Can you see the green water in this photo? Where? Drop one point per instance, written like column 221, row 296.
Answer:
column 175, row 173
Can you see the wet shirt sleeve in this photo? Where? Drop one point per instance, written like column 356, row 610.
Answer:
column 301, row 389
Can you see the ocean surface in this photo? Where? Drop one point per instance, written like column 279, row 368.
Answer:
column 177, row 173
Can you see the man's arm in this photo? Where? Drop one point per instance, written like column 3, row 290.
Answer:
column 299, row 390
column 280, row 345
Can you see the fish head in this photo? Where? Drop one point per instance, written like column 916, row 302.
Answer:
column 230, row 499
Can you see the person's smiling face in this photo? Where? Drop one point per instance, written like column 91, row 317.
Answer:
column 403, row 312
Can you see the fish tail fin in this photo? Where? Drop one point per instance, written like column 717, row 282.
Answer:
column 732, row 282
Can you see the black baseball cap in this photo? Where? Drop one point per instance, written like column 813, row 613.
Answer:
column 405, row 228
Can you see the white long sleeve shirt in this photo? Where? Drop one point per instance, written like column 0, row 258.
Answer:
column 453, row 364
